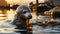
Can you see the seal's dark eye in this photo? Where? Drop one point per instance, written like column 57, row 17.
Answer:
column 24, row 12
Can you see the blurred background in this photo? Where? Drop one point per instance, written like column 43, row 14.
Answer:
column 8, row 10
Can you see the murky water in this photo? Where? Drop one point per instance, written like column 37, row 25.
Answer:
column 6, row 16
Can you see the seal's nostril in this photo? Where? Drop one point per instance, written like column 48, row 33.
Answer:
column 30, row 16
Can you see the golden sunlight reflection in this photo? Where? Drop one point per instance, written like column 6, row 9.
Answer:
column 0, row 11
column 7, row 30
column 42, row 1
column 10, row 14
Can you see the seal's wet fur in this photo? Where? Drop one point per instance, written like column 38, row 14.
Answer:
column 23, row 13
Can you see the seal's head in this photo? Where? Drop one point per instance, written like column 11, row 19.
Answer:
column 24, row 12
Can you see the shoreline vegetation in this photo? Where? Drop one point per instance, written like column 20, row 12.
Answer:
column 8, row 7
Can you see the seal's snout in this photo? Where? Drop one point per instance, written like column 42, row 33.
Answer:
column 30, row 16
